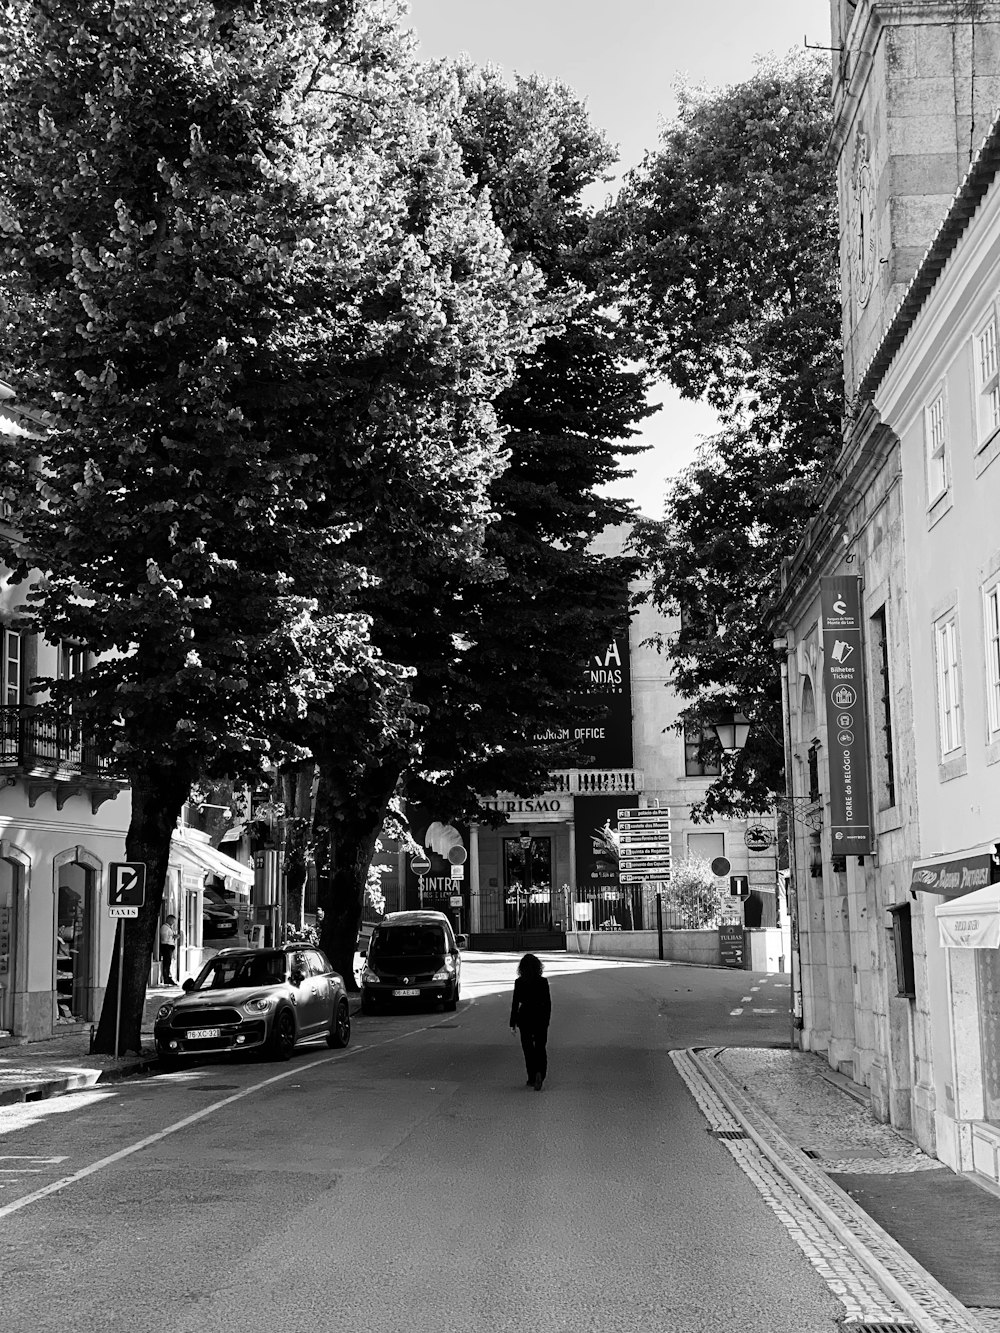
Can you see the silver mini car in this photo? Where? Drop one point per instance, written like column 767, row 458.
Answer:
column 255, row 999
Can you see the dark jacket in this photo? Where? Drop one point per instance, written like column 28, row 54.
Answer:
column 532, row 1003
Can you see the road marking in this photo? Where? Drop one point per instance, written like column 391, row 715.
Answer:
column 746, row 998
column 27, row 1157
column 84, row 1172
column 734, row 1012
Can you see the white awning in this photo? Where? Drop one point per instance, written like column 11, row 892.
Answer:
column 971, row 921
column 204, row 857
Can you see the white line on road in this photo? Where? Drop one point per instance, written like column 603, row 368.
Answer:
column 734, row 1012
column 746, row 998
column 84, row 1172
column 27, row 1157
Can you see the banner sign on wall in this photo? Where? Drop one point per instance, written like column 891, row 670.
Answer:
column 606, row 739
column 847, row 723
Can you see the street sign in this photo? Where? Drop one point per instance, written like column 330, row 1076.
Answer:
column 739, row 884
column 123, row 913
column 758, row 837
column 458, row 872
column 457, row 855
column 644, row 876
column 420, row 865
column 721, row 866
column 126, row 886
column 651, row 813
column 732, row 943
column 456, row 900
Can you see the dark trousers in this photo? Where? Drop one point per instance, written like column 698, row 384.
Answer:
column 166, row 961
column 533, row 1044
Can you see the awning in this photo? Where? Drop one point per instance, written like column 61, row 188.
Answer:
column 204, row 857
column 956, row 874
column 972, row 921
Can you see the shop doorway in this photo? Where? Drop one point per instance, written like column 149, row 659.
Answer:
column 527, row 879
column 11, row 882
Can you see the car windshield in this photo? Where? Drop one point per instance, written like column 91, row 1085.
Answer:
column 256, row 969
column 404, row 941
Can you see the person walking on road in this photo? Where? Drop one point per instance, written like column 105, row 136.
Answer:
column 530, row 1012
column 168, row 943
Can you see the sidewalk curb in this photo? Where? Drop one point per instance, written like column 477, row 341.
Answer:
column 959, row 1319
column 39, row 1090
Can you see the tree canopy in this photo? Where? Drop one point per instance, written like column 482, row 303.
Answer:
column 727, row 236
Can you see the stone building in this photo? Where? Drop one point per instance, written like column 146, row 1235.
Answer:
column 915, row 85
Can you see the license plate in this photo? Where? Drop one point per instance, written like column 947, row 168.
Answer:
column 201, row 1034
column 406, row 994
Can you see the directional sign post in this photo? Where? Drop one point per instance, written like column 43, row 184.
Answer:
column 126, row 894
column 644, row 851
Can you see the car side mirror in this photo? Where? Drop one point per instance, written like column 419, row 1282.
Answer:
column 188, row 985
column 462, row 941
column 296, row 976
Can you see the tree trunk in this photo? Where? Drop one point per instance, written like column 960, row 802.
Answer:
column 157, row 801
column 347, row 831
column 296, row 792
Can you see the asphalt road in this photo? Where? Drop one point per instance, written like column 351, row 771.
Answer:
column 413, row 1182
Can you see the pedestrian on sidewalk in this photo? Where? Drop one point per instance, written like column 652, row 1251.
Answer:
column 168, row 943
column 530, row 1011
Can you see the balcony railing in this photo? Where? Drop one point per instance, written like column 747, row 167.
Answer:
column 32, row 742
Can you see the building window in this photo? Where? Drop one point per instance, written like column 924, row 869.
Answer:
column 72, row 660
column 882, row 690
column 949, row 698
column 706, row 846
column 702, row 756
column 987, row 380
column 902, row 939
column 992, row 635
column 813, row 761
column 936, row 438
column 10, row 686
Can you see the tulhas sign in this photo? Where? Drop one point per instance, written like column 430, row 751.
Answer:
column 951, row 878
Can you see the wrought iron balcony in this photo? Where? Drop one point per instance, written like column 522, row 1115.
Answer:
column 35, row 743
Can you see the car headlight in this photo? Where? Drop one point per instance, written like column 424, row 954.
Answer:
column 368, row 975
column 259, row 1004
column 164, row 1012
column 444, row 973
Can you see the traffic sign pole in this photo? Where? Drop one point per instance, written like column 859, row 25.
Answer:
column 121, row 969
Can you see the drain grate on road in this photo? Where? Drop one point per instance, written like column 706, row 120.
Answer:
column 729, row 1133
column 880, row 1328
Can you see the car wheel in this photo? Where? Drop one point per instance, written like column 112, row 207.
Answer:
column 283, row 1036
column 340, row 1032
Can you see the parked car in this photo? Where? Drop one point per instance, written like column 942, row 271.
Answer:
column 255, row 999
column 412, row 957
column 218, row 915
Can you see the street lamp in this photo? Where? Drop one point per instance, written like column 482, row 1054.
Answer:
column 732, row 730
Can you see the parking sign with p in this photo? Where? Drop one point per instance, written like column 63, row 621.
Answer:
column 126, row 887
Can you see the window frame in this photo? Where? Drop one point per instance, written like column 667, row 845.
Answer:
column 12, row 694
column 694, row 767
column 987, row 385
column 991, row 656
column 936, row 449
column 947, row 673
column 902, row 941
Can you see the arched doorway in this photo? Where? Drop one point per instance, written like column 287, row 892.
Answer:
column 75, row 940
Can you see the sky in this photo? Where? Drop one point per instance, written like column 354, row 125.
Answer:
column 624, row 58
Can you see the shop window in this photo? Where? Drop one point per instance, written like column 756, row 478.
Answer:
column 987, row 381
column 73, row 944
column 702, row 754
column 935, row 443
column 11, row 875
column 885, row 768
column 949, row 695
column 902, row 939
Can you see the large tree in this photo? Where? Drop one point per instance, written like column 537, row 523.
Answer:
column 265, row 309
column 496, row 649
column 728, row 238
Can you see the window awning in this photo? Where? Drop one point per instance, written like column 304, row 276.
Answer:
column 204, row 857
column 957, row 874
column 971, row 921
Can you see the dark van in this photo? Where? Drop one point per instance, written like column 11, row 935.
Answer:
column 412, row 958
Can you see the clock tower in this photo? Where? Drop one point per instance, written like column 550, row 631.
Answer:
column 915, row 88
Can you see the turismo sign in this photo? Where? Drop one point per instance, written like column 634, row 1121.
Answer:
column 847, row 722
